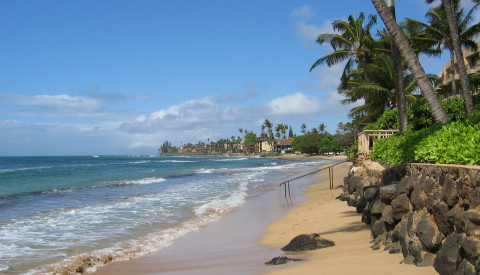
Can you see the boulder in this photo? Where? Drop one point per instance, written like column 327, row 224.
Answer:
column 415, row 249
column 450, row 192
column 402, row 185
column 388, row 193
column 471, row 246
column 370, row 192
column 387, row 214
column 400, row 206
column 440, row 214
column 361, row 203
column 378, row 229
column 376, row 207
column 448, row 257
column 418, row 198
column 428, row 233
column 281, row 260
column 466, row 268
column 472, row 222
column 307, row 242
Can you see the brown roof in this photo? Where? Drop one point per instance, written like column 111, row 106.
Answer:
column 285, row 141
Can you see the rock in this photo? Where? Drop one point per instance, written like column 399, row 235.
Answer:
column 388, row 193
column 465, row 268
column 376, row 207
column 448, row 257
column 281, row 260
column 415, row 249
column 366, row 216
column 361, row 203
column 455, row 217
column 471, row 246
column 307, row 242
column 428, row 233
column 450, row 193
column 387, row 214
column 370, row 192
column 440, row 214
column 472, row 222
column 378, row 229
column 428, row 260
column 418, row 198
column 400, row 206
column 402, row 185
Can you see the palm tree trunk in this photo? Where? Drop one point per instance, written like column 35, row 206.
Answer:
column 452, row 67
column 452, row 24
column 413, row 63
column 400, row 85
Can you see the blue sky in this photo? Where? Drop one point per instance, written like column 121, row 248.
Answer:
column 119, row 77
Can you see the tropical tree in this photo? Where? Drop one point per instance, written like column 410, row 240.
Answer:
column 352, row 43
column 303, row 128
column 269, row 126
column 450, row 11
column 399, row 83
column 437, row 34
column 412, row 61
column 322, row 128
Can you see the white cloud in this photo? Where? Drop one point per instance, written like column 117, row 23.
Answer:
column 304, row 12
column 296, row 104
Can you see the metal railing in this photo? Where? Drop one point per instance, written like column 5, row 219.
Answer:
column 330, row 177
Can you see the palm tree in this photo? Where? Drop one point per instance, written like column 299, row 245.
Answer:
column 322, row 128
column 353, row 43
column 400, row 85
column 450, row 8
column 412, row 61
column 269, row 126
column 380, row 92
column 437, row 34
column 303, row 128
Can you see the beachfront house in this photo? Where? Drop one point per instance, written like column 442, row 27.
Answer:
column 265, row 145
column 284, row 146
column 367, row 139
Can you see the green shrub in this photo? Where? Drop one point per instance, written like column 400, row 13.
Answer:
column 457, row 142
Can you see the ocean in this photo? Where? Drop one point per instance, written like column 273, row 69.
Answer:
column 58, row 211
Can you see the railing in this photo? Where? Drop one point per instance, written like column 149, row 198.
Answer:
column 330, row 177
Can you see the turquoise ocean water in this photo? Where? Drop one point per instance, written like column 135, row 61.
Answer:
column 56, row 210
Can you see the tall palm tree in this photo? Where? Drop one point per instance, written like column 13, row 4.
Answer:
column 400, row 85
column 269, row 126
column 353, row 43
column 412, row 61
column 450, row 10
column 303, row 128
column 437, row 34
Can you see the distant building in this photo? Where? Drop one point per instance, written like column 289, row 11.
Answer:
column 268, row 145
column 284, row 146
column 265, row 144
column 472, row 62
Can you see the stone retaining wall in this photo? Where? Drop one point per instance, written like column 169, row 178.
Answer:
column 430, row 213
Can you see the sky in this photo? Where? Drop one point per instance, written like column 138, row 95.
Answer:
column 115, row 77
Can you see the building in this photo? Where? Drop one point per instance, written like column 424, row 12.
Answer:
column 472, row 62
column 367, row 139
column 284, row 146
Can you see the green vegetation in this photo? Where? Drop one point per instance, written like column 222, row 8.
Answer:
column 456, row 142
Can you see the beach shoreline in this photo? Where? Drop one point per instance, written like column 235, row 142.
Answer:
column 247, row 238
column 331, row 218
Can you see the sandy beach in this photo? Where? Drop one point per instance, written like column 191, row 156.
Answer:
column 241, row 242
column 334, row 220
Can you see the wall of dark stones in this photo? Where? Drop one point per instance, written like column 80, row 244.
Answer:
column 429, row 213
